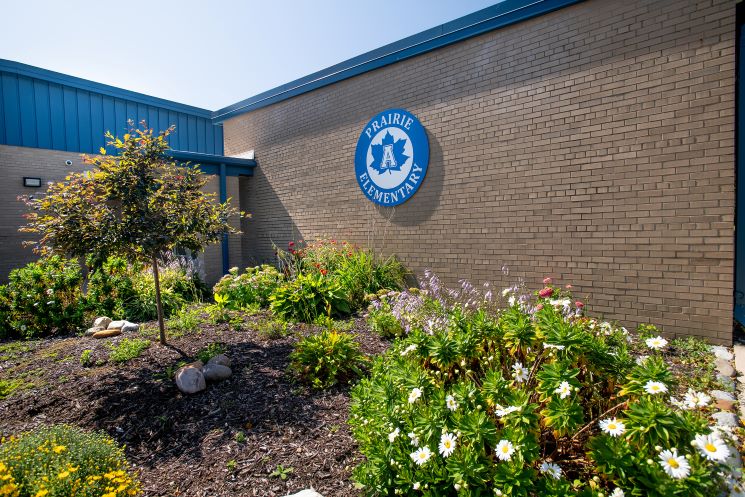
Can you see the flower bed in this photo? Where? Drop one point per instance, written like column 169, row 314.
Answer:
column 526, row 396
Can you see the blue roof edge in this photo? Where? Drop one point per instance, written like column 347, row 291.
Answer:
column 497, row 16
column 87, row 85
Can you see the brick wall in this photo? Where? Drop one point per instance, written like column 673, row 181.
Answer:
column 594, row 144
column 49, row 165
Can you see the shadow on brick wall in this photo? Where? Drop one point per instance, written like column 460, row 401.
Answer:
column 425, row 201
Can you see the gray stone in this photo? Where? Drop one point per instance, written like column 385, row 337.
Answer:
column 117, row 324
column 216, row 372
column 722, row 395
column 724, row 418
column 309, row 492
column 220, row 359
column 90, row 331
column 190, row 380
column 726, row 382
column 724, row 368
column 722, row 352
column 130, row 327
column 102, row 321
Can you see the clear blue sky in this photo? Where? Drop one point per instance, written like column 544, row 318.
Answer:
column 208, row 53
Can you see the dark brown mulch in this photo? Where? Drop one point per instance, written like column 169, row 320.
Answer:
column 186, row 445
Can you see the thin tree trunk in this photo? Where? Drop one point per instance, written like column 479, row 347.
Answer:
column 161, row 324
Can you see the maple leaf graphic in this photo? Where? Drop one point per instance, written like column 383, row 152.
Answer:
column 389, row 155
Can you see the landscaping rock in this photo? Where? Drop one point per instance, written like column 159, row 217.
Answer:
column 216, row 372
column 111, row 332
column 196, row 364
column 190, row 380
column 724, row 400
column 124, row 325
column 90, row 331
column 306, row 493
column 724, row 418
column 724, row 367
column 102, row 321
column 220, row 359
column 727, row 382
column 740, row 358
column 130, row 327
column 722, row 352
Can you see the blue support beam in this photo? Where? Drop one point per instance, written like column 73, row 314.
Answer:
column 223, row 199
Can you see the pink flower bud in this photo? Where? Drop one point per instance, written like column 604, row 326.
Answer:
column 546, row 292
column 579, row 304
column 547, row 280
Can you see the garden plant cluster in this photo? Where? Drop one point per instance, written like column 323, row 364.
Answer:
column 481, row 391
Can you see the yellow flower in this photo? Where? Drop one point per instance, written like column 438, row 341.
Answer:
column 42, row 492
column 63, row 475
column 59, row 449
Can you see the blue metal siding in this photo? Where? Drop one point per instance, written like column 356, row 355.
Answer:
column 43, row 109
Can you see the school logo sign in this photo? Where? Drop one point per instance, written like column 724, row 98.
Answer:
column 392, row 157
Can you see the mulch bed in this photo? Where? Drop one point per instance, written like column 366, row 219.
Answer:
column 185, row 445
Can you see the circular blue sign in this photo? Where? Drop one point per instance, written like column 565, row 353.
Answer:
column 392, row 157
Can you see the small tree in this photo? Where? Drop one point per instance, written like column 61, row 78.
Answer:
column 139, row 204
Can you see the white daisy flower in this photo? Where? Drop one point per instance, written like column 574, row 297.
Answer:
column 564, row 390
column 674, row 465
column 617, row 492
column 408, row 349
column 520, row 373
column 679, row 403
column 512, row 300
column 694, row 399
column 421, row 455
column 504, row 411
column 415, row 394
column 712, row 447
column 414, row 439
column 612, row 427
column 640, row 360
column 656, row 343
column 551, row 469
column 655, row 387
column 451, row 403
column 504, row 450
column 417, row 485
column 392, row 435
column 447, row 444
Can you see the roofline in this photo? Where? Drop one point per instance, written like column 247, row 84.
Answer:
column 497, row 16
column 87, row 85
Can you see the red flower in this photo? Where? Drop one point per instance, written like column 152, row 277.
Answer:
column 292, row 251
column 323, row 272
column 539, row 307
column 546, row 292
column 579, row 304
column 291, row 244
column 547, row 280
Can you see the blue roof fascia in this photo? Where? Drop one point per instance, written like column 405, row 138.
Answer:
column 112, row 91
column 210, row 164
column 497, row 16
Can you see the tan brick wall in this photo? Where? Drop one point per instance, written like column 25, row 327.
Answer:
column 594, row 144
column 49, row 165
column 15, row 163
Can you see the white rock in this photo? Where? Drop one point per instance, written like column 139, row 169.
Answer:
column 90, row 331
column 130, row 327
column 117, row 324
column 220, row 359
column 722, row 352
column 724, row 418
column 724, row 367
column 102, row 321
column 309, row 492
column 190, row 380
column 719, row 394
column 740, row 358
column 216, row 372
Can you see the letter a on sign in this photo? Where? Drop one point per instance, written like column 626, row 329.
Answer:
column 389, row 159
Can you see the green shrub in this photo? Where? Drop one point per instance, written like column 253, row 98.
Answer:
column 62, row 461
column 210, row 351
column 272, row 329
column 127, row 349
column 531, row 400
column 123, row 290
column 42, row 298
column 86, row 358
column 252, row 287
column 380, row 317
column 185, row 321
column 307, row 297
column 327, row 358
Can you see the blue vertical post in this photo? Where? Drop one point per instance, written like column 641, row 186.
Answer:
column 224, row 198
